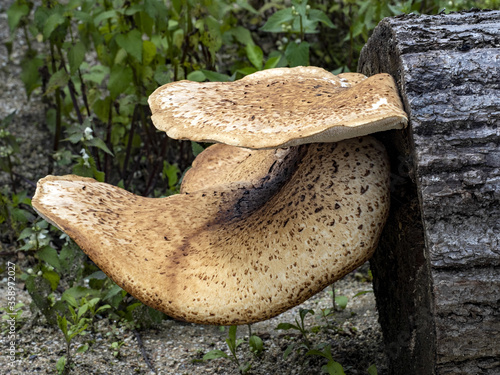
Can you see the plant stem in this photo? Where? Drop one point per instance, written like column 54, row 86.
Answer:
column 107, row 160
column 301, row 28
column 57, row 135
column 129, row 145
column 67, row 367
column 143, row 351
column 333, row 298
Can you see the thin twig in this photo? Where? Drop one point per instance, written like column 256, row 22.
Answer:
column 27, row 180
column 107, row 159
column 143, row 351
column 129, row 145
column 159, row 162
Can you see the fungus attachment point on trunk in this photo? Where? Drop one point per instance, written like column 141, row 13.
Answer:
column 253, row 232
column 279, row 108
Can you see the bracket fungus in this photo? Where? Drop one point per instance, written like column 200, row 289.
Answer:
column 278, row 108
column 253, row 232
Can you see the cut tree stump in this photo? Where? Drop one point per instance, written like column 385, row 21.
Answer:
column 437, row 269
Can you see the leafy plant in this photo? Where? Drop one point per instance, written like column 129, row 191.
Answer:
column 332, row 367
column 14, row 313
column 9, row 147
column 115, row 346
column 298, row 326
column 255, row 344
column 296, row 21
column 70, row 330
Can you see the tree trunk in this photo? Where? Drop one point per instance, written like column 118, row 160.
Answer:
column 437, row 269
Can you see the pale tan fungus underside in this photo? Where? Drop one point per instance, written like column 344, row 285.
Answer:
column 222, row 164
column 214, row 257
column 279, row 108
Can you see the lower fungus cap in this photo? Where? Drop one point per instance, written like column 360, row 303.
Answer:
column 233, row 253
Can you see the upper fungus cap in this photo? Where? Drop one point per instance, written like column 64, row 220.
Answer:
column 279, row 108
column 233, row 252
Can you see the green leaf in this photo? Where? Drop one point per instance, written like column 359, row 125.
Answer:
column 317, row 15
column 303, row 313
column 214, row 76
column 171, row 171
column 99, row 275
column 272, row 62
column 288, row 350
column 156, row 9
column 132, row 43
column 214, row 354
column 242, row 35
column 163, row 75
column 82, row 348
column 82, row 310
column 104, row 16
column 238, row 343
column 49, row 255
column 297, row 54
column 119, row 80
column 96, row 74
column 372, row 370
column 148, row 52
column 63, row 324
column 99, row 143
column 70, row 299
column 15, row 12
column 211, row 35
column 30, row 75
column 196, row 76
column 155, row 315
column 76, row 55
column 244, row 368
column 232, row 334
column 326, row 353
column 98, row 175
column 341, row 301
column 66, row 257
column 333, row 368
column 102, row 107
column 54, row 20
column 145, row 23
column 81, row 327
column 245, row 5
column 84, row 17
column 275, row 22
column 53, row 278
column 362, row 292
column 61, row 364
column 25, row 233
column 77, row 292
column 114, row 290
column 59, row 79
column 196, row 148
column 287, row 326
column 246, row 71
column 255, row 55
column 256, row 344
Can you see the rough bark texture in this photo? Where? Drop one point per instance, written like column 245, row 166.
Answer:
column 437, row 271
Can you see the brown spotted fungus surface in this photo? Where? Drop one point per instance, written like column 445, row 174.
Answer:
column 233, row 253
column 278, row 108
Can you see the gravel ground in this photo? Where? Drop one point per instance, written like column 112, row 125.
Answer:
column 173, row 347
